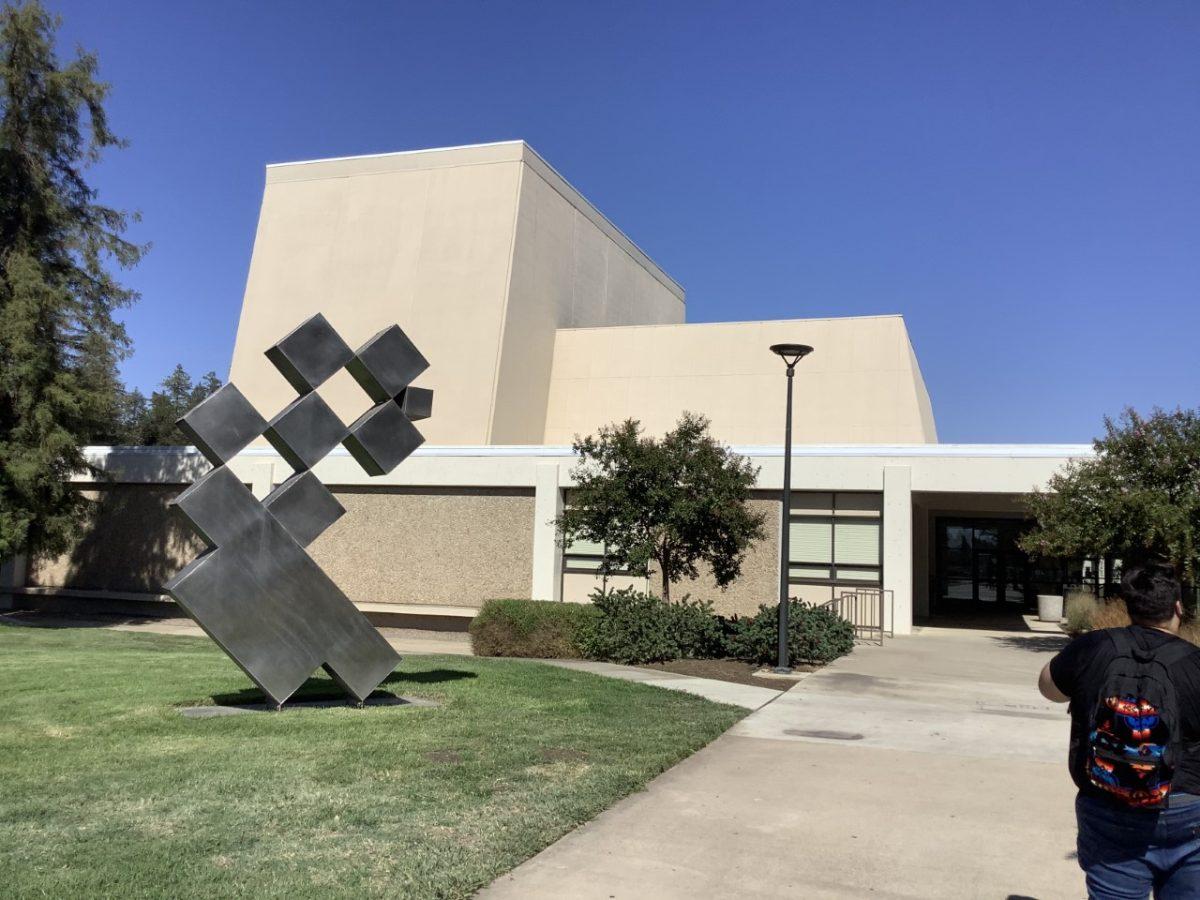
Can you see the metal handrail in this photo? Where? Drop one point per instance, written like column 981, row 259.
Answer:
column 869, row 610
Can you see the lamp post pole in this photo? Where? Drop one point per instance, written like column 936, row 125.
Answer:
column 792, row 354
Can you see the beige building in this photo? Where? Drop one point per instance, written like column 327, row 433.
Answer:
column 542, row 321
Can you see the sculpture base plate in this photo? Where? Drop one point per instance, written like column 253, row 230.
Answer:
column 210, row 712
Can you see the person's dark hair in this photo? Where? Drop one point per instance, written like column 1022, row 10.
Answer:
column 1150, row 592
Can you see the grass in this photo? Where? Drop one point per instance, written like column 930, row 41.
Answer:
column 106, row 790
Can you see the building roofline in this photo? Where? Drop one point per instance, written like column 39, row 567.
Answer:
column 523, row 153
column 747, row 322
column 1007, row 451
column 391, row 153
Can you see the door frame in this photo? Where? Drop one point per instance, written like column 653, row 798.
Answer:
column 1007, row 556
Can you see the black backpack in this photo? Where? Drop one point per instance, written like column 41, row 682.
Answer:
column 1134, row 738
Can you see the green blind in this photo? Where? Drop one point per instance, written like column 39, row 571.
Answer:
column 809, row 540
column 823, row 574
column 584, row 562
column 585, row 547
column 857, row 543
column 858, row 574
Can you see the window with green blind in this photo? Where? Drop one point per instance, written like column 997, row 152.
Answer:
column 583, row 556
column 842, row 546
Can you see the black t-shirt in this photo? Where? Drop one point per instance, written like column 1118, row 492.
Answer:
column 1078, row 671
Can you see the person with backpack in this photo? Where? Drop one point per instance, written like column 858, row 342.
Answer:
column 1135, row 744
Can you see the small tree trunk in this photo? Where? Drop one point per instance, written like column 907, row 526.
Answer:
column 664, row 571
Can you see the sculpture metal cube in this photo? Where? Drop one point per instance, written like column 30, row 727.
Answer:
column 256, row 591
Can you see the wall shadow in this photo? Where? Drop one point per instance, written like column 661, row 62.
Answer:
column 132, row 540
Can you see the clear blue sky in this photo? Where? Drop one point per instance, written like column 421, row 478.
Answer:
column 1020, row 180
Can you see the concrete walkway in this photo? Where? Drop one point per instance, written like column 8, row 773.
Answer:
column 405, row 640
column 747, row 696
column 927, row 768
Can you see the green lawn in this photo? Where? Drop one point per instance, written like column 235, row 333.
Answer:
column 105, row 789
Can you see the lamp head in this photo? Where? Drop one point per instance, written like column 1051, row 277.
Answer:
column 791, row 353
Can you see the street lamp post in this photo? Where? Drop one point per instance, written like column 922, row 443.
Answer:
column 791, row 354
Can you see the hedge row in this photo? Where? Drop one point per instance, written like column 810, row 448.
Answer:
column 629, row 626
column 531, row 628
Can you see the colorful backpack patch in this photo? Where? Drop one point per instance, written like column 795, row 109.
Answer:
column 1134, row 733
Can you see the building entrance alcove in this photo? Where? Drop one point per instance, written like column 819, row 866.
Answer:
column 979, row 569
column 969, row 570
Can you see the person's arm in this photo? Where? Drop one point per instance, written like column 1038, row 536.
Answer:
column 1048, row 688
column 1060, row 677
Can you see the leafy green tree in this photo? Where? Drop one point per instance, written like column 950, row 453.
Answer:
column 1138, row 498
column 59, row 340
column 672, row 504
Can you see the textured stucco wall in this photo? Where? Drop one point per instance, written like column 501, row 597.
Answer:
column 133, row 543
column 760, row 572
column 456, row 547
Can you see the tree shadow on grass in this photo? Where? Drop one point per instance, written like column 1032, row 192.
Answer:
column 324, row 689
column 1041, row 643
column 433, row 676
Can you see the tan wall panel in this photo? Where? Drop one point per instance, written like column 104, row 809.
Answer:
column 566, row 271
column 133, row 543
column 449, row 547
column 578, row 586
column 429, row 250
column 861, row 386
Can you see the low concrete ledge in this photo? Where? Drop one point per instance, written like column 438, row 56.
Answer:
column 420, row 616
column 747, row 696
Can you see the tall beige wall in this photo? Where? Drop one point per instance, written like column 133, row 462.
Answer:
column 369, row 243
column 570, row 268
column 860, row 386
column 479, row 253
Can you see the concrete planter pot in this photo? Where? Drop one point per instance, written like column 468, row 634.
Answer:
column 1050, row 607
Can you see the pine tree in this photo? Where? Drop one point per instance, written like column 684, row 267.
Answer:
column 59, row 340
column 165, row 408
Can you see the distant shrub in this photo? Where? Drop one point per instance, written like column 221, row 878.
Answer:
column 1079, row 610
column 634, row 627
column 1086, row 613
column 530, row 628
column 1109, row 614
column 815, row 635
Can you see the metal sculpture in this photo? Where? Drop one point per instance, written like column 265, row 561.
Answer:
column 256, row 591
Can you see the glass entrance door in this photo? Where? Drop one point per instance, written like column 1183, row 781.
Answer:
column 979, row 566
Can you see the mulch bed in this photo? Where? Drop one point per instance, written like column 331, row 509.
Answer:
column 733, row 670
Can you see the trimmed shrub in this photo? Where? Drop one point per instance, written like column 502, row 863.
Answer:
column 635, row 627
column 815, row 635
column 539, row 629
